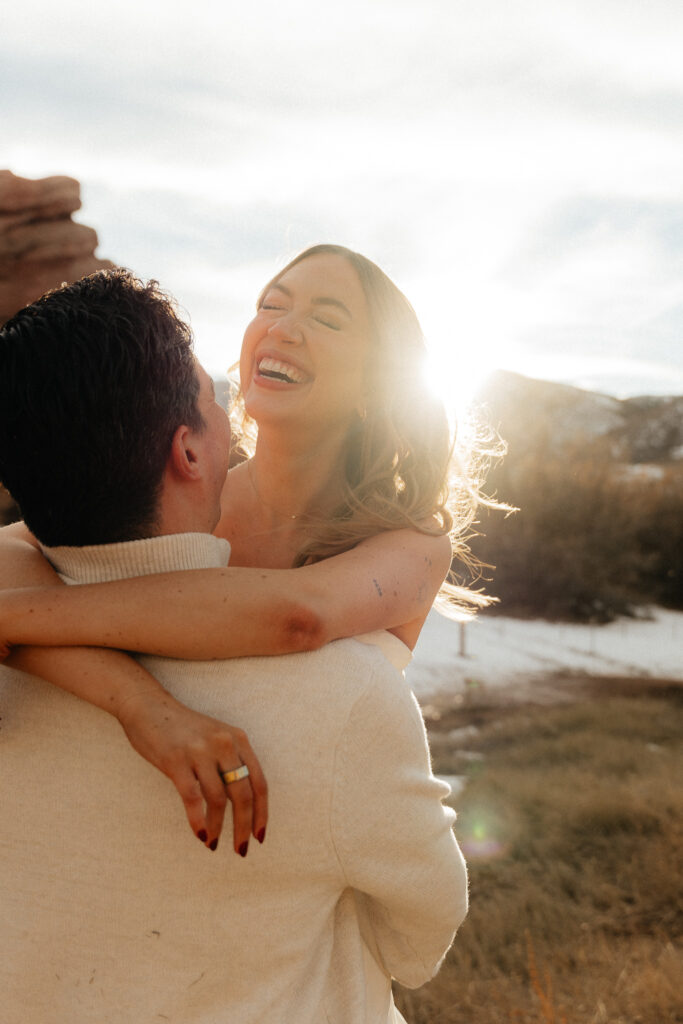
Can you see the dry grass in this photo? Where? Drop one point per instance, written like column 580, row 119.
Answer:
column 572, row 825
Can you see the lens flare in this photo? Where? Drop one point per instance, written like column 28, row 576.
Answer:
column 482, row 835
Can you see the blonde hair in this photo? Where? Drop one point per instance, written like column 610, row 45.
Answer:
column 401, row 469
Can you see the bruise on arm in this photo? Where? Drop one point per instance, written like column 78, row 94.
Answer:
column 387, row 582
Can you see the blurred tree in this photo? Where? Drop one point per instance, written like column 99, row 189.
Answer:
column 579, row 546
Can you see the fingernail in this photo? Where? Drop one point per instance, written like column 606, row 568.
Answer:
column 261, row 834
column 243, row 849
column 213, row 844
column 201, row 835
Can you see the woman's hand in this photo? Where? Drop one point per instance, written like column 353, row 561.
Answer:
column 192, row 749
column 186, row 746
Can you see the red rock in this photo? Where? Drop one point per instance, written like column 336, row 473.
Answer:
column 40, row 245
column 43, row 241
column 20, row 194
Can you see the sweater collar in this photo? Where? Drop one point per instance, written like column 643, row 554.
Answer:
column 100, row 563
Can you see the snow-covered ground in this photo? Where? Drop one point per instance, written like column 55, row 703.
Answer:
column 500, row 651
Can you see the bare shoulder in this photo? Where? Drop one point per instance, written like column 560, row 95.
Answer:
column 21, row 561
column 233, row 501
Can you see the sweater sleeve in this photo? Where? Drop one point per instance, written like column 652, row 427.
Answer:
column 394, row 836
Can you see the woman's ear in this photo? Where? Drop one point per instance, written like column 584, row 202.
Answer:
column 184, row 456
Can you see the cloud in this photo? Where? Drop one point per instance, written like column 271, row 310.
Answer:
column 516, row 166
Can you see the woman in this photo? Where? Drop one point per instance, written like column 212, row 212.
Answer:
column 348, row 483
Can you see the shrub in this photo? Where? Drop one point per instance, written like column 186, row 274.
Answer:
column 588, row 543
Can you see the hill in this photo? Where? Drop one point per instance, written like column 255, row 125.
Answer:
column 541, row 415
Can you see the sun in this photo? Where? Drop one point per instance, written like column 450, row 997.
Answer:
column 461, row 353
column 468, row 336
column 455, row 378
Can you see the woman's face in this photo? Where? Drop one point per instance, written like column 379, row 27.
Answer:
column 303, row 354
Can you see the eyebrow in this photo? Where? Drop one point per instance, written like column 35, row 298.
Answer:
column 323, row 301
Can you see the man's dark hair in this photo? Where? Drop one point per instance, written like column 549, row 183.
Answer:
column 95, row 378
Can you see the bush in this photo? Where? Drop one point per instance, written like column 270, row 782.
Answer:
column 588, row 542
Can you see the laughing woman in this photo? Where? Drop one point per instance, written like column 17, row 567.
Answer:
column 344, row 520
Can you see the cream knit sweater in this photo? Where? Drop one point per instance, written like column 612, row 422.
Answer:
column 111, row 912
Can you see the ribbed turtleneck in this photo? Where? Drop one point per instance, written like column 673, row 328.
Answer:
column 102, row 563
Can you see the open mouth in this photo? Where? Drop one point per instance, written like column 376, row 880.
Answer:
column 273, row 369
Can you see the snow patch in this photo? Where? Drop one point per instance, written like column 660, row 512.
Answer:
column 500, row 651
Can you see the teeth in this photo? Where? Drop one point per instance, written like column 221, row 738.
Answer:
column 280, row 371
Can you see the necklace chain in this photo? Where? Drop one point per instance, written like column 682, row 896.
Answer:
column 271, row 508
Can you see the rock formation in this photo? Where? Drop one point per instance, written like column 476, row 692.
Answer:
column 40, row 245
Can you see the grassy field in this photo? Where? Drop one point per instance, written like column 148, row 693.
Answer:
column 572, row 826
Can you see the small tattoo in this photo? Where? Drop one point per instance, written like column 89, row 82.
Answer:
column 377, row 587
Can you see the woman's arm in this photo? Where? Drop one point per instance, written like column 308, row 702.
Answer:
column 386, row 582
column 183, row 744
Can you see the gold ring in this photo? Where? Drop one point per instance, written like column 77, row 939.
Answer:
column 235, row 775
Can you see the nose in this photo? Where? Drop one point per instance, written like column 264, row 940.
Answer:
column 287, row 329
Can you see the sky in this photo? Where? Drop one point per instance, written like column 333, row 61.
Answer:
column 517, row 168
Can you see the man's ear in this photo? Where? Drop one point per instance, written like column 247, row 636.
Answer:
column 184, row 457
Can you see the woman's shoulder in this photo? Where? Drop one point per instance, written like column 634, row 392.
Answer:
column 236, row 509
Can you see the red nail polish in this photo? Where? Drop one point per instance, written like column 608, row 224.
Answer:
column 261, row 834
column 201, row 835
column 213, row 844
column 243, row 849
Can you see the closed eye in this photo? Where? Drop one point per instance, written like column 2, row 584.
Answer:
column 327, row 323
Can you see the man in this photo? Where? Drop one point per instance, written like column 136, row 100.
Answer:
column 116, row 452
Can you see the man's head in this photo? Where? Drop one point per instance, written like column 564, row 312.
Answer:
column 99, row 393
